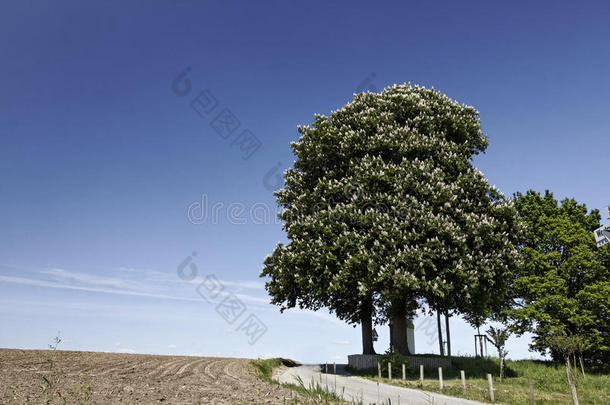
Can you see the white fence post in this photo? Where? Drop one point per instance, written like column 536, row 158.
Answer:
column 491, row 387
column 440, row 377
column 463, row 375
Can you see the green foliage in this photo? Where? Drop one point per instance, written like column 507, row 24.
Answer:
column 479, row 367
column 566, row 345
column 319, row 392
column 397, row 361
column 311, row 393
column 549, row 378
column 498, row 337
column 564, row 284
column 50, row 383
column 265, row 368
column 477, row 317
column 383, row 206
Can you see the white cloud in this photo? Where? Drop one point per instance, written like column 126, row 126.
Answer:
column 144, row 283
column 153, row 275
column 117, row 291
column 50, row 284
column 317, row 314
column 244, row 284
column 61, row 275
column 154, row 286
column 171, row 346
column 341, row 342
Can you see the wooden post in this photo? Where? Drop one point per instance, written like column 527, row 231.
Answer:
column 334, row 367
column 404, row 372
column 480, row 341
column 531, row 392
column 379, row 370
column 440, row 334
column 440, row 377
column 326, row 368
column 463, row 375
column 486, row 355
column 491, row 387
column 475, row 346
column 390, row 370
column 448, row 334
column 571, row 382
column 421, row 374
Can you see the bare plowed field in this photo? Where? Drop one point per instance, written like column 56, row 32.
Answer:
column 29, row 377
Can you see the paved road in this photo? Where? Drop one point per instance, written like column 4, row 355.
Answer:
column 366, row 391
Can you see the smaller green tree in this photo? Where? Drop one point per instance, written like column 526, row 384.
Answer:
column 568, row 346
column 498, row 337
column 564, row 283
column 476, row 317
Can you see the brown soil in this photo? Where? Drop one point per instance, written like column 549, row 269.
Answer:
column 113, row 378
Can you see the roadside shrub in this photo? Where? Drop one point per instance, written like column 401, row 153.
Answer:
column 397, row 361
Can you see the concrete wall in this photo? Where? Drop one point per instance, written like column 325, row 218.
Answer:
column 361, row 361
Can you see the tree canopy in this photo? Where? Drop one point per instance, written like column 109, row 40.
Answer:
column 564, row 284
column 384, row 211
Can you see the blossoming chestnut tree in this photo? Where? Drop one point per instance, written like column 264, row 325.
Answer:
column 384, row 212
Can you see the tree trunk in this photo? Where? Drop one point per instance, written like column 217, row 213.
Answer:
column 570, row 382
column 448, row 335
column 582, row 366
column 574, row 367
column 480, row 341
column 501, row 367
column 440, row 334
column 398, row 332
column 366, row 321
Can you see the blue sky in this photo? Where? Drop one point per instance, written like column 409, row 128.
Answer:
column 100, row 159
